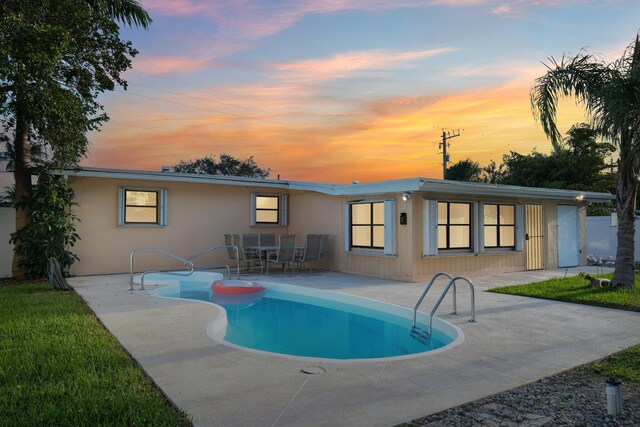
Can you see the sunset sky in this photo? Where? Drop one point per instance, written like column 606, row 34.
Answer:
column 337, row 90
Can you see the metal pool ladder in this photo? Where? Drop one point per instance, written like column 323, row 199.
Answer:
column 188, row 265
column 452, row 282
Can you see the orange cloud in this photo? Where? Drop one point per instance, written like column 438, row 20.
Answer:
column 382, row 139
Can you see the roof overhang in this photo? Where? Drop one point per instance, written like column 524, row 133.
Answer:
column 426, row 185
column 483, row 189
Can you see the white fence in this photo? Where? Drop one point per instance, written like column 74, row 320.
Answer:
column 7, row 226
column 602, row 238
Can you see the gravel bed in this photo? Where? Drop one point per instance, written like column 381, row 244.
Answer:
column 573, row 398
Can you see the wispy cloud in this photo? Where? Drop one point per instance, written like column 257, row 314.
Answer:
column 345, row 64
column 169, row 64
column 254, row 19
column 319, row 145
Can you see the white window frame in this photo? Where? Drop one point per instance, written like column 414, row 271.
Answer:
column 282, row 208
column 430, row 228
column 162, row 206
column 390, row 235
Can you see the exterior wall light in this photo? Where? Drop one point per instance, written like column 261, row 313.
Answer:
column 580, row 197
column 406, row 195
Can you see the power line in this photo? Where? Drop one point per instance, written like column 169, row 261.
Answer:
column 200, row 98
column 197, row 107
column 156, row 77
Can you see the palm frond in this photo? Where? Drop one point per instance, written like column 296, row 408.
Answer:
column 127, row 12
column 581, row 76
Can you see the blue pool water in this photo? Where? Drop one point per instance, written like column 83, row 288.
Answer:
column 297, row 321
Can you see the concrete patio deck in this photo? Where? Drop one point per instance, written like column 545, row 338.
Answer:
column 515, row 341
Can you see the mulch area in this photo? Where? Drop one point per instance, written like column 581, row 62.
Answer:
column 573, row 398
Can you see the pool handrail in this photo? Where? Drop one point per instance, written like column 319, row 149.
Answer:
column 188, row 265
column 426, row 290
column 206, row 251
column 446, row 289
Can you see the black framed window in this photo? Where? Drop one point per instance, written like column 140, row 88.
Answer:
column 141, row 207
column 454, row 225
column 366, row 222
column 499, row 226
column 267, row 209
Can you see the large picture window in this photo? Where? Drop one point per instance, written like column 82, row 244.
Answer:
column 367, row 225
column 267, row 210
column 454, row 225
column 499, row 226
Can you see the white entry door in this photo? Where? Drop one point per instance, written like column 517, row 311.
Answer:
column 568, row 243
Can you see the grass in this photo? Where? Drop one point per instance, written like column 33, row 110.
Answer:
column 624, row 365
column 60, row 366
column 576, row 289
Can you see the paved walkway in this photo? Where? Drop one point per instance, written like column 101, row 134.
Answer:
column 515, row 341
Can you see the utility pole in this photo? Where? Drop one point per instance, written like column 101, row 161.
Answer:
column 446, row 136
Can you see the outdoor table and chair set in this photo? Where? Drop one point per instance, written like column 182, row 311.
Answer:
column 261, row 250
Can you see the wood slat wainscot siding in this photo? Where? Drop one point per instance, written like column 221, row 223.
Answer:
column 482, row 263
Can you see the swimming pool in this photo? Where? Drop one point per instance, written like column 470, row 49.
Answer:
column 300, row 322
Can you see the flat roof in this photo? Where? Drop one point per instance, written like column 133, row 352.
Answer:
column 428, row 185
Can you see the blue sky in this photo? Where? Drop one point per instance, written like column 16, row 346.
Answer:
column 336, row 90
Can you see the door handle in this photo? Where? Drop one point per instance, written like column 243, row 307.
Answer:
column 526, row 236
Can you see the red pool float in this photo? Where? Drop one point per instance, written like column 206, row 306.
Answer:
column 235, row 287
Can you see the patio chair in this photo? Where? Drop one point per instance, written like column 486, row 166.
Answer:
column 311, row 252
column 250, row 240
column 228, row 240
column 56, row 278
column 285, row 254
column 250, row 257
column 324, row 245
column 267, row 239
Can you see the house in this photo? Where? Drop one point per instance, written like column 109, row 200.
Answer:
column 404, row 229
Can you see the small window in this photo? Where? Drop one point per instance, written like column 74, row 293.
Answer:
column 367, row 225
column 141, row 206
column 499, row 226
column 454, row 225
column 267, row 209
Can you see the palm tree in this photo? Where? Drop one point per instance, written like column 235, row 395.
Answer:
column 610, row 93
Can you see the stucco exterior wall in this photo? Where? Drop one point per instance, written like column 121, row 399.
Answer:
column 198, row 216
column 314, row 213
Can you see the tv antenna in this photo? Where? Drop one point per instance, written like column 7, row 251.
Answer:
column 446, row 136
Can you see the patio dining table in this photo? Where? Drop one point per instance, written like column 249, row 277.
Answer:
column 264, row 252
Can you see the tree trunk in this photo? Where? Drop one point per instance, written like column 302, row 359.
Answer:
column 626, row 189
column 22, row 176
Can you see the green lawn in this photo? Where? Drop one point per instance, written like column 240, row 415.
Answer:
column 624, row 365
column 59, row 366
column 576, row 289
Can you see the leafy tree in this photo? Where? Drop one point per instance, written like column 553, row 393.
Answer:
column 464, row 170
column 576, row 165
column 228, row 165
column 51, row 229
column 56, row 56
column 492, row 173
column 610, row 94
